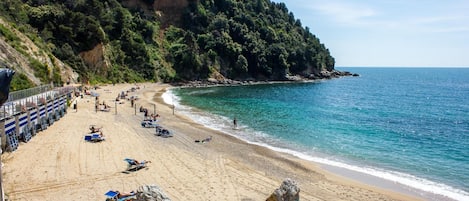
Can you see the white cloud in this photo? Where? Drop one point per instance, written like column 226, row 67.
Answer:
column 344, row 13
column 396, row 16
column 442, row 23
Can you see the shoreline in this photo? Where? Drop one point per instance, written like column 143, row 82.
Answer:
column 356, row 173
column 58, row 165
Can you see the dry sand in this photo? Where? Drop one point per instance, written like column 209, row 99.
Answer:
column 57, row 164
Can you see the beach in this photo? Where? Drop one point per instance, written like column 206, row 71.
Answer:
column 58, row 164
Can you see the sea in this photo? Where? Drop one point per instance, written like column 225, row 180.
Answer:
column 408, row 126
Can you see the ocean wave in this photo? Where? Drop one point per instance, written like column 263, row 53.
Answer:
column 170, row 99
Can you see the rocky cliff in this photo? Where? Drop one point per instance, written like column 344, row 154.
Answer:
column 96, row 59
column 170, row 11
column 21, row 53
column 158, row 40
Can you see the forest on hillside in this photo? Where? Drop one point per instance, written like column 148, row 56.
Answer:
column 234, row 39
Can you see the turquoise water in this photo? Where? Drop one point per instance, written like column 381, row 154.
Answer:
column 407, row 125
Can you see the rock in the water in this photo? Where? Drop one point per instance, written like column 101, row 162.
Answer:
column 151, row 193
column 288, row 191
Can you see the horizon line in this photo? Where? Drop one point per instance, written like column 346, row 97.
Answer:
column 401, row 67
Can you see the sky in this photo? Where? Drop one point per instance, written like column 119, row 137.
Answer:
column 389, row 33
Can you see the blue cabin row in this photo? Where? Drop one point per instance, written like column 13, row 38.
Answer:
column 24, row 125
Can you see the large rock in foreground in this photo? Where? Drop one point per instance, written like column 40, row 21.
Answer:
column 151, row 193
column 288, row 191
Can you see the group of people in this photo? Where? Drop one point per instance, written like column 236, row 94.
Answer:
column 146, row 114
column 94, row 129
column 102, row 106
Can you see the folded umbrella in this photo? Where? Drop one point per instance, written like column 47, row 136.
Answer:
column 6, row 75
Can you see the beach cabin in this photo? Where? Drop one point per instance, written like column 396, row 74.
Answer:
column 55, row 110
column 50, row 112
column 62, row 109
column 42, row 119
column 9, row 138
column 22, row 126
column 33, row 119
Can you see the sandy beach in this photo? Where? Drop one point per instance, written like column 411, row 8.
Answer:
column 58, row 164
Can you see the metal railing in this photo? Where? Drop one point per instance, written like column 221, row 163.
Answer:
column 20, row 101
column 17, row 95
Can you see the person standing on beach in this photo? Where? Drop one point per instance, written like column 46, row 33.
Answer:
column 235, row 123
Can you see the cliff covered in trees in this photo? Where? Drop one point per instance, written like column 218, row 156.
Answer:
column 161, row 40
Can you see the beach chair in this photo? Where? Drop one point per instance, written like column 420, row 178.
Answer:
column 149, row 123
column 116, row 196
column 134, row 166
column 105, row 109
column 94, row 137
column 165, row 133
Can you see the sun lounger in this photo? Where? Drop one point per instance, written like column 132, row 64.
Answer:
column 94, row 137
column 204, row 140
column 133, row 165
column 116, row 196
column 105, row 109
column 166, row 133
column 160, row 131
column 149, row 123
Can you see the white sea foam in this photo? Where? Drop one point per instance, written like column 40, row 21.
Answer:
column 224, row 124
column 169, row 98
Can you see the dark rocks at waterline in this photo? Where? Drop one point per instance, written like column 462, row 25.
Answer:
column 334, row 74
column 221, row 81
column 330, row 75
column 288, row 78
column 288, row 191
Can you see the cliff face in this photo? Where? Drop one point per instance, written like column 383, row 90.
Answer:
column 19, row 57
column 96, row 60
column 11, row 58
column 170, row 11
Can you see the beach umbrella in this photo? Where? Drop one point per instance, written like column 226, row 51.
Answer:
column 94, row 94
column 6, row 75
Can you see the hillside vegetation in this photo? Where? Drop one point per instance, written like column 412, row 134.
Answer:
column 158, row 40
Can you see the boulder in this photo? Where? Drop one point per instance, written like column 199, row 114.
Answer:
column 326, row 74
column 151, row 193
column 212, row 80
column 288, row 191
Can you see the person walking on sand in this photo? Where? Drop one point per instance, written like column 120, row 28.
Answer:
column 235, row 123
